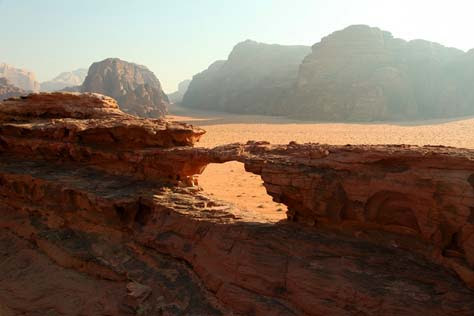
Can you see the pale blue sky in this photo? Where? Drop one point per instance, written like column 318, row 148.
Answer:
column 178, row 38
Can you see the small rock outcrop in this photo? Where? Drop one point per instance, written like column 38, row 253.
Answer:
column 7, row 90
column 135, row 87
column 254, row 79
column 65, row 80
column 23, row 79
column 177, row 97
column 101, row 210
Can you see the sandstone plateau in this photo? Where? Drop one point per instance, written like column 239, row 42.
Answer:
column 23, row 79
column 101, row 214
column 135, row 87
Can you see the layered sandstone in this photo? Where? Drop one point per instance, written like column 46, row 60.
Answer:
column 107, row 204
column 135, row 87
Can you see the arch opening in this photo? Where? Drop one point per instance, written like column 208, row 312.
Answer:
column 230, row 182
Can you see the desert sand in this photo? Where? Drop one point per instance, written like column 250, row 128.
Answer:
column 230, row 182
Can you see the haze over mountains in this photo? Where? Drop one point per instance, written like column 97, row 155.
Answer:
column 360, row 73
column 356, row 74
column 65, row 79
column 254, row 79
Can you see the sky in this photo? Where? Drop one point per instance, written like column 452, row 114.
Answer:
column 179, row 38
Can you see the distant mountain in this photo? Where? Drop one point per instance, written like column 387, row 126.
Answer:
column 20, row 78
column 360, row 73
column 135, row 87
column 253, row 79
column 7, row 90
column 65, row 79
column 177, row 96
column 364, row 74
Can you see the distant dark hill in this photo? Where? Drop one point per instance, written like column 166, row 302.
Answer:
column 135, row 87
column 253, row 79
column 357, row 74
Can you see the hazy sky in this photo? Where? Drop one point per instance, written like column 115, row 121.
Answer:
column 178, row 38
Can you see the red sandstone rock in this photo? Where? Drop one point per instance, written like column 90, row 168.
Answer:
column 115, row 221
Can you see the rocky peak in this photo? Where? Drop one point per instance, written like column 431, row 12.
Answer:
column 253, row 79
column 20, row 78
column 135, row 87
column 7, row 90
column 64, row 80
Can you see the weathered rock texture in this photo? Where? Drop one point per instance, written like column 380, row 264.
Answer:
column 99, row 216
column 135, row 87
column 20, row 78
column 7, row 90
column 254, row 79
column 65, row 80
column 177, row 96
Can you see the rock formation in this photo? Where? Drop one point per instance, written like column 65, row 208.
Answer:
column 20, row 78
column 364, row 74
column 356, row 74
column 136, row 89
column 100, row 210
column 253, row 79
column 177, row 97
column 7, row 90
column 65, row 80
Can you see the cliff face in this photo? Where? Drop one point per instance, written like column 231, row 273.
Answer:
column 7, row 90
column 100, row 210
column 356, row 74
column 64, row 80
column 364, row 74
column 136, row 89
column 20, row 78
column 253, row 79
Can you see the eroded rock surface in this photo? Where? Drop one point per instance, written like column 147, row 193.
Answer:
column 107, row 204
column 135, row 87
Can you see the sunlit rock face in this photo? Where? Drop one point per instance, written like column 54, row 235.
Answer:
column 23, row 79
column 135, row 87
column 101, row 210
column 253, row 79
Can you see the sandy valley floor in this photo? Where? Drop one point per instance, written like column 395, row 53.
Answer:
column 230, row 182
